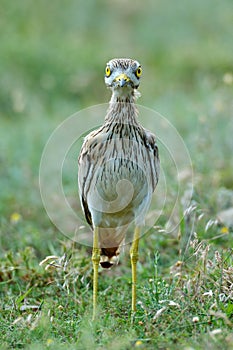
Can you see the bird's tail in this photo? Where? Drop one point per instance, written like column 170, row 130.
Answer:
column 109, row 257
column 110, row 241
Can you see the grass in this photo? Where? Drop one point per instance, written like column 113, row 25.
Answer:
column 52, row 63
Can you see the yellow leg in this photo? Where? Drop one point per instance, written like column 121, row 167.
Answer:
column 95, row 261
column 134, row 259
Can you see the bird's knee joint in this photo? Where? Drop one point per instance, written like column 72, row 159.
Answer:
column 96, row 256
column 134, row 257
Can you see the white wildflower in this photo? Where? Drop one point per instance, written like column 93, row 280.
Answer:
column 195, row 319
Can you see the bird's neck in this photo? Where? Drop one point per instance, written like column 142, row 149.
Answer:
column 122, row 107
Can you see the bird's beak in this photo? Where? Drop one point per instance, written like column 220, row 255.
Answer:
column 122, row 79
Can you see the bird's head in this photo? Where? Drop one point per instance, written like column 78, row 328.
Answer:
column 123, row 74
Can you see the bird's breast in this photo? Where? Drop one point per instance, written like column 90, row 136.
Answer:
column 120, row 179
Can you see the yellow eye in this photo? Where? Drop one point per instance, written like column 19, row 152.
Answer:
column 107, row 71
column 138, row 72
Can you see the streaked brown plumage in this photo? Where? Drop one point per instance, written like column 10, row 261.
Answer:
column 118, row 171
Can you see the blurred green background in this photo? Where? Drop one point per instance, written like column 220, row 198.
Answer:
column 52, row 59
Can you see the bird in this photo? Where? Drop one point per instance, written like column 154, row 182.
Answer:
column 118, row 170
